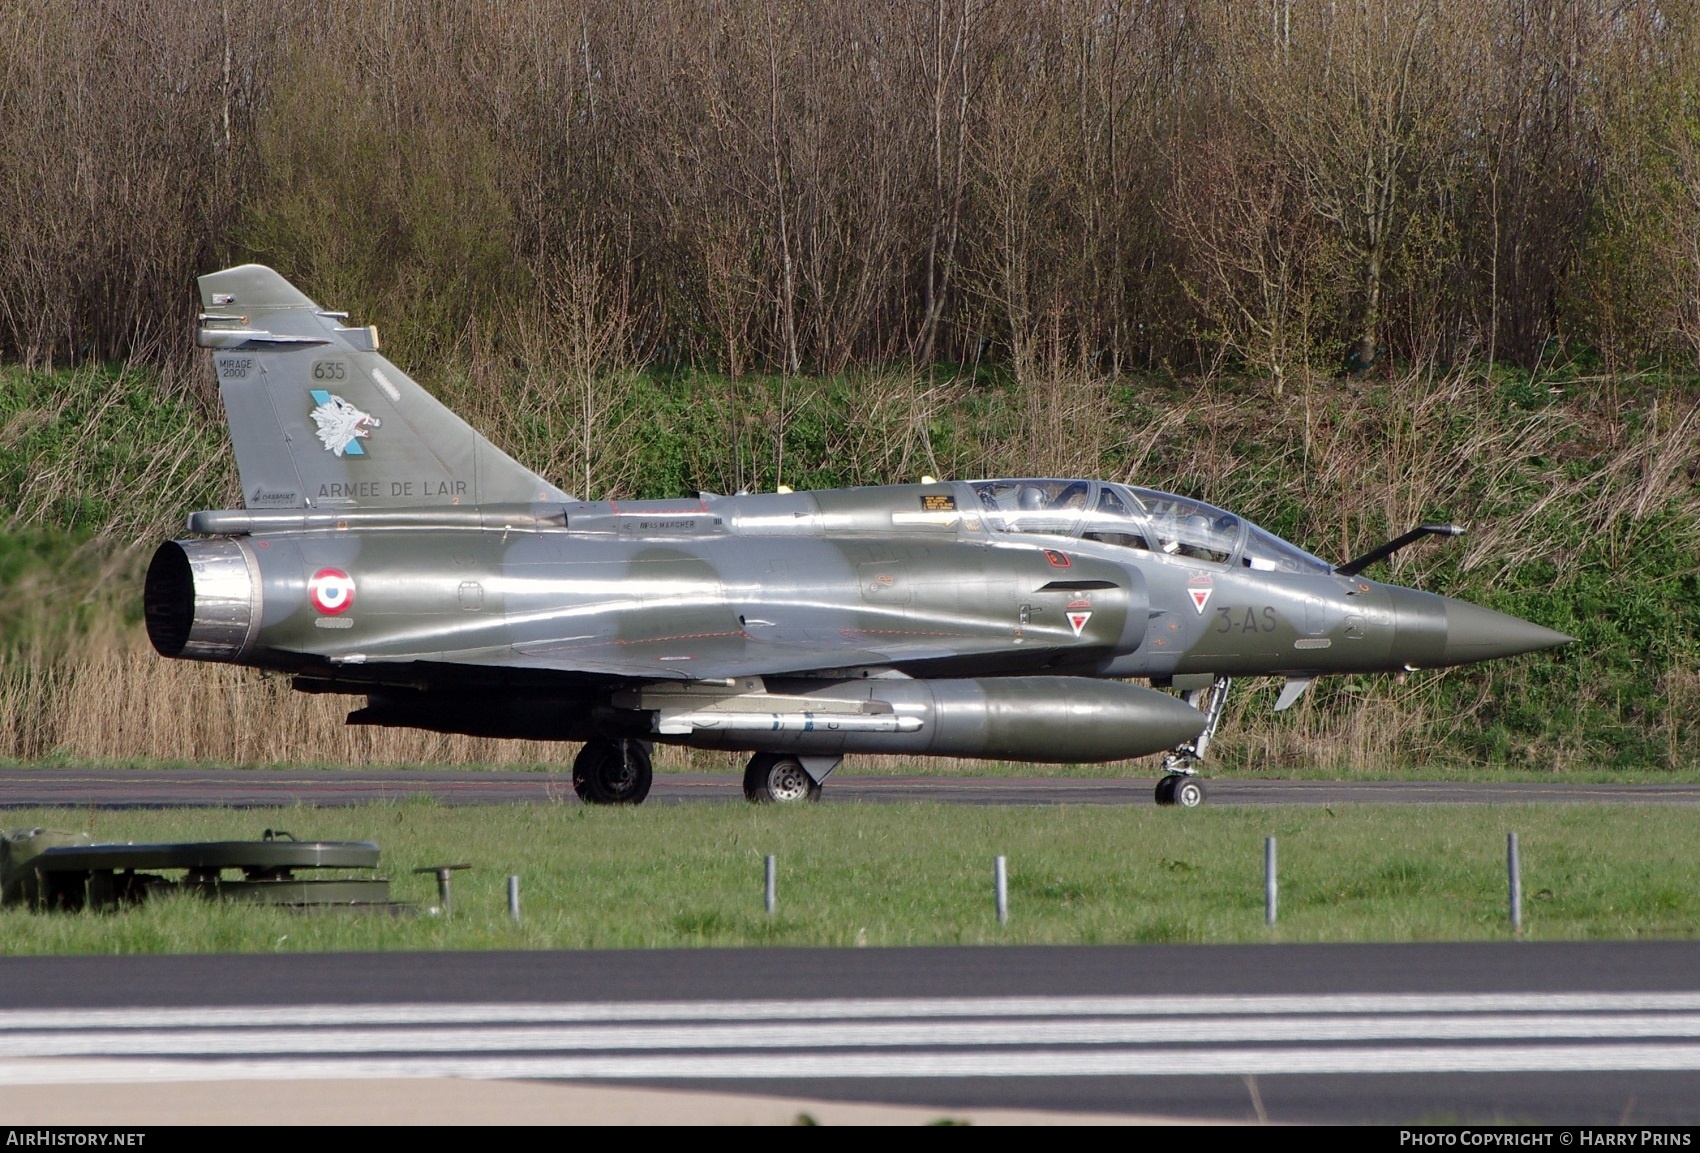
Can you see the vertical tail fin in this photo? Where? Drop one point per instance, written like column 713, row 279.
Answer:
column 320, row 420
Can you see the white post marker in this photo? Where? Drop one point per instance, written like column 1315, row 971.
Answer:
column 1269, row 886
column 1000, row 883
column 513, row 898
column 1515, row 871
column 769, row 898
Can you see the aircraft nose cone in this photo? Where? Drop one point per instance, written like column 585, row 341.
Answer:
column 1477, row 634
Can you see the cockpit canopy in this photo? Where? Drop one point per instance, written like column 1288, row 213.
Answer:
column 1137, row 518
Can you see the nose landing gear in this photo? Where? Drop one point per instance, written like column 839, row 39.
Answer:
column 1181, row 786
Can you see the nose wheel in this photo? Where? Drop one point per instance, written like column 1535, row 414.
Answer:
column 1177, row 789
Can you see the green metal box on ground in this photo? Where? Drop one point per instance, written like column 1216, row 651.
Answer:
column 52, row 869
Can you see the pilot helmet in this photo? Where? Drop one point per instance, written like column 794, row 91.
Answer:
column 1030, row 499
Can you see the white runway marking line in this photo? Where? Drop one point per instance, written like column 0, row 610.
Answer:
column 845, row 1008
column 838, row 1035
column 996, row 1063
column 927, row 1037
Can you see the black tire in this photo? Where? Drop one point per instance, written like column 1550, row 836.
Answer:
column 587, row 768
column 613, row 773
column 777, row 779
column 1166, row 789
column 1189, row 792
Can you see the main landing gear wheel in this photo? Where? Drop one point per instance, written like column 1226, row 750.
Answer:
column 776, row 779
column 612, row 773
column 1176, row 789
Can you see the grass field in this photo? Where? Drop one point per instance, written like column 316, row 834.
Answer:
column 691, row 875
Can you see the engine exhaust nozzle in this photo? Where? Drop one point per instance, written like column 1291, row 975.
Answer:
column 202, row 599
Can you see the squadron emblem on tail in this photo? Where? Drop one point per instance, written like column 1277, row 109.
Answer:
column 341, row 425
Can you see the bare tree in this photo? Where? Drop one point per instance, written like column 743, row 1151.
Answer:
column 806, row 189
column 1255, row 264
column 1357, row 96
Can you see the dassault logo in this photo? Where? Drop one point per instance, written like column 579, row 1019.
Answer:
column 341, row 425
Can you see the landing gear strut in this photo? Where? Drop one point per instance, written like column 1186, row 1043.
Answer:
column 1180, row 785
column 613, row 772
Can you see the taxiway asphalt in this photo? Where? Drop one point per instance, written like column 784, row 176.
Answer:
column 1556, row 1033
column 255, row 788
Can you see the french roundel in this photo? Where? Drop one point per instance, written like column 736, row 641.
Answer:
column 331, row 591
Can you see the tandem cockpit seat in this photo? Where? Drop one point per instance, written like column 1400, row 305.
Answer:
column 1137, row 518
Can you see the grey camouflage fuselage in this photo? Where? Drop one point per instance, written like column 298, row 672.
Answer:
column 389, row 550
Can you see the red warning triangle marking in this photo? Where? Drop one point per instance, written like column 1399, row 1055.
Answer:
column 1078, row 621
column 1200, row 597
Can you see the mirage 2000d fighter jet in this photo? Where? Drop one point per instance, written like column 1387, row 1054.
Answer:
column 388, row 550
